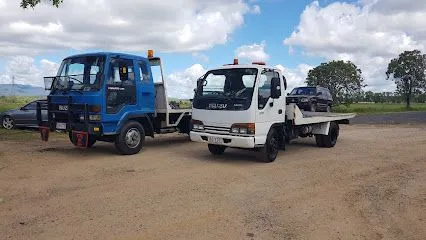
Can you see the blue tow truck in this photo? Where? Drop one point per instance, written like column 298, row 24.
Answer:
column 110, row 97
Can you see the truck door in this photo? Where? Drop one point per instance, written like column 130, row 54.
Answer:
column 121, row 87
column 269, row 111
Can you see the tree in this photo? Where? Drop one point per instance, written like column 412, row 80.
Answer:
column 343, row 79
column 408, row 72
column 32, row 3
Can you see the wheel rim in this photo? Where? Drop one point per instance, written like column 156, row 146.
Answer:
column 133, row 138
column 273, row 147
column 312, row 108
column 328, row 109
column 7, row 123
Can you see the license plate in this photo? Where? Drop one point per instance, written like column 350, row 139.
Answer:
column 61, row 126
column 215, row 140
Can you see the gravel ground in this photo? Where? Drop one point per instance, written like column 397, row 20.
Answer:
column 371, row 185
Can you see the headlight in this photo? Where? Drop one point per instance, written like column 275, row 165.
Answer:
column 197, row 125
column 243, row 128
column 95, row 117
column 81, row 117
column 304, row 100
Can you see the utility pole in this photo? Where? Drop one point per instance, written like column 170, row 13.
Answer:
column 13, row 86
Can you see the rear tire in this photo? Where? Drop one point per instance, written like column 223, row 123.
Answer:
column 216, row 149
column 130, row 139
column 270, row 151
column 330, row 140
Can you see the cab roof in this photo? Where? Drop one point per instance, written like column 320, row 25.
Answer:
column 132, row 56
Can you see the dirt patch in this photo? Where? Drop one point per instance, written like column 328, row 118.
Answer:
column 371, row 185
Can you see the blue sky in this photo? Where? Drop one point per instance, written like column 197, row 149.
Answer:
column 194, row 35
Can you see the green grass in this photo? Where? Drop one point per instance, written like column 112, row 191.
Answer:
column 24, row 135
column 371, row 108
column 7, row 103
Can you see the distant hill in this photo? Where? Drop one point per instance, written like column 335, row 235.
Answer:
column 22, row 90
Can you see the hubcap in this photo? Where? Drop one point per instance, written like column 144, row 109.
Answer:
column 133, row 138
column 7, row 123
column 328, row 109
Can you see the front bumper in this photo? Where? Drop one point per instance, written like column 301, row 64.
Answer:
column 228, row 140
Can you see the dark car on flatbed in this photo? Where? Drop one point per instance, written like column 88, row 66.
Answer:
column 314, row 99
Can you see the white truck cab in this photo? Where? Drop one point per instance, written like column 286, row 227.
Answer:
column 244, row 106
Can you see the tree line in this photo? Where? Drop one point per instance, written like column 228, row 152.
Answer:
column 346, row 82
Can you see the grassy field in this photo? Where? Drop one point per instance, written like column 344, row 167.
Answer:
column 7, row 103
column 370, row 108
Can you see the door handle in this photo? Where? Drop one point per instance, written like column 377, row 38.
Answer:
column 271, row 104
column 280, row 111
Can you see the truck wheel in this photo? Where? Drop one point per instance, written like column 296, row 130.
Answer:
column 130, row 139
column 333, row 133
column 270, row 151
column 216, row 149
column 90, row 143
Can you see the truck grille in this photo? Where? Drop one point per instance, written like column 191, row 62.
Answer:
column 217, row 130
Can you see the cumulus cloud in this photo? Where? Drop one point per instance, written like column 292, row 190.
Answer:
column 25, row 71
column 184, row 25
column 295, row 77
column 369, row 33
column 181, row 84
column 253, row 52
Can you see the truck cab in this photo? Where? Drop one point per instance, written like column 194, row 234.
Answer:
column 110, row 97
column 244, row 106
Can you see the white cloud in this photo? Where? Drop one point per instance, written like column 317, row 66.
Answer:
column 255, row 9
column 369, row 33
column 254, row 52
column 200, row 56
column 182, row 84
column 183, row 25
column 26, row 72
column 295, row 77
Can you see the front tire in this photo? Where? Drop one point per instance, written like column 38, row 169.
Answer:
column 270, row 151
column 7, row 122
column 131, row 138
column 216, row 149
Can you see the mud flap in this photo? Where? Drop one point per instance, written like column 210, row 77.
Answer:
column 44, row 133
column 80, row 139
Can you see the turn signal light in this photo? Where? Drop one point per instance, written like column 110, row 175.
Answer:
column 95, row 108
column 150, row 53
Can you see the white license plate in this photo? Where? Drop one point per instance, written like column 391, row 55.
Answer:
column 215, row 140
column 61, row 126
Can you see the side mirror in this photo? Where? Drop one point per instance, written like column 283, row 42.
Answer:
column 288, row 94
column 275, row 88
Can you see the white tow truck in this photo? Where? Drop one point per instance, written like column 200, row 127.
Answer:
column 244, row 106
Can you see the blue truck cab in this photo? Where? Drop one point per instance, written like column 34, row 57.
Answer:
column 110, row 97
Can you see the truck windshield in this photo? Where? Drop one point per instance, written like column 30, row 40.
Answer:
column 226, row 89
column 304, row 91
column 80, row 73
